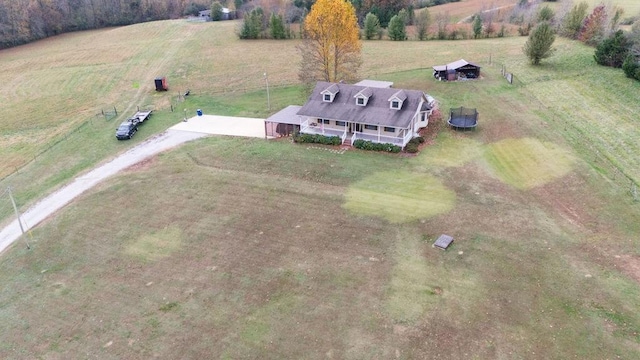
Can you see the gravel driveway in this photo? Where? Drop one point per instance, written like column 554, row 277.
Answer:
column 47, row 206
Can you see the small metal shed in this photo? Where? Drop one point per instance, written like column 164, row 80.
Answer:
column 161, row 84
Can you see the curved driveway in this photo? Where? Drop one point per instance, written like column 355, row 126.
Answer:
column 47, row 206
column 194, row 128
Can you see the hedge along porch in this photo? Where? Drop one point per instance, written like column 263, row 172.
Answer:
column 353, row 112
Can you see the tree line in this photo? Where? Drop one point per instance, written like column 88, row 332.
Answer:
column 23, row 21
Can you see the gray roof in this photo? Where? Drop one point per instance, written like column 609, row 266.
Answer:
column 375, row 83
column 288, row 115
column 366, row 92
column 377, row 111
column 333, row 89
column 400, row 95
column 454, row 65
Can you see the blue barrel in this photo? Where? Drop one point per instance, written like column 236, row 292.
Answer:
column 199, row 112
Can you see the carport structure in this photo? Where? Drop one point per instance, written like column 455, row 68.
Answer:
column 457, row 70
column 283, row 123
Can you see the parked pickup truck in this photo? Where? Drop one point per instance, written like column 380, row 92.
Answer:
column 127, row 129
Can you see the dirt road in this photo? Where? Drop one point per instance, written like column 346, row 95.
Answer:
column 47, row 206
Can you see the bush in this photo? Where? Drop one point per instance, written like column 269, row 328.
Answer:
column 631, row 67
column 411, row 148
column 371, row 146
column 612, row 51
column 317, row 139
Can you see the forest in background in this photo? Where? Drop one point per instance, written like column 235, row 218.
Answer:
column 23, row 21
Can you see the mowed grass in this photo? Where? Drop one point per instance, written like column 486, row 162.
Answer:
column 399, row 196
column 245, row 248
column 526, row 163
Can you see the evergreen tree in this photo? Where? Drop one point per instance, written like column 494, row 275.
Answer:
column 613, row 51
column 276, row 27
column 477, row 26
column 545, row 14
column 216, row 11
column 371, row 26
column 397, row 30
column 631, row 67
column 252, row 24
column 538, row 46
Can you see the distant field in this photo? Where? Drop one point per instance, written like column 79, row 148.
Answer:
column 244, row 248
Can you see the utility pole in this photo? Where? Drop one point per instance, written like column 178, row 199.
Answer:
column 15, row 208
column 266, row 79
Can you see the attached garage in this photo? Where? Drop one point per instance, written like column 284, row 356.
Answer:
column 284, row 122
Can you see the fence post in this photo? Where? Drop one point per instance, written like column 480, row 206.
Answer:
column 115, row 110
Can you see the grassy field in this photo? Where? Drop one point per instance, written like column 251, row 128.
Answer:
column 244, row 248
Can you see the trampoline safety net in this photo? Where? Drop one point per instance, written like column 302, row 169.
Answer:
column 463, row 117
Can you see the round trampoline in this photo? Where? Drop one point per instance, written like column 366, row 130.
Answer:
column 463, row 118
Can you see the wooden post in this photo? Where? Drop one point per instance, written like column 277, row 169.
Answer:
column 15, row 208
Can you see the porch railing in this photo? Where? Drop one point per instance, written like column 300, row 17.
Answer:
column 400, row 141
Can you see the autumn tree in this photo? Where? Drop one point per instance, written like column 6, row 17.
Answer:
column 593, row 27
column 538, row 46
column 330, row 49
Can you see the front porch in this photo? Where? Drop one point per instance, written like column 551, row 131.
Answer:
column 353, row 131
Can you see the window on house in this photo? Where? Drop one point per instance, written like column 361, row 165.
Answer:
column 327, row 97
column 423, row 116
column 360, row 101
column 341, row 123
column 371, row 127
column 389, row 129
column 395, row 104
column 326, row 121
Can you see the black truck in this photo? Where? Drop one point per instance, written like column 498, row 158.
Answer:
column 128, row 128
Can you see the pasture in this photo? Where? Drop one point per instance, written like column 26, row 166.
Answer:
column 243, row 248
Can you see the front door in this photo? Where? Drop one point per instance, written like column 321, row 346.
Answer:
column 355, row 127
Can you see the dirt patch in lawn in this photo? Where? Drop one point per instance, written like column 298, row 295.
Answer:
column 143, row 165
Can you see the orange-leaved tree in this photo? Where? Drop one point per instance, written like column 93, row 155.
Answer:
column 331, row 48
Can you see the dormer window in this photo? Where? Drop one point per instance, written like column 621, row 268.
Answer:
column 330, row 93
column 362, row 97
column 396, row 100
